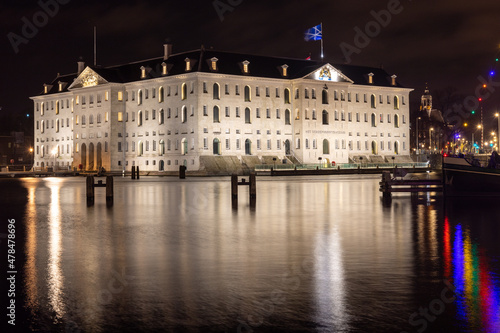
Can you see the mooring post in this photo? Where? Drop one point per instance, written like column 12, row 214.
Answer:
column 182, row 172
column 253, row 189
column 133, row 171
column 137, row 169
column 109, row 190
column 386, row 185
column 234, row 188
column 90, row 190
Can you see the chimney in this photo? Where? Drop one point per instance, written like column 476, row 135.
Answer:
column 81, row 65
column 393, row 82
column 167, row 51
column 370, row 78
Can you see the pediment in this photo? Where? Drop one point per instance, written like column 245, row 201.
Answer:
column 328, row 73
column 87, row 78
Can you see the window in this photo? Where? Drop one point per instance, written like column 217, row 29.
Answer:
column 139, row 118
column 226, row 88
column 227, row 112
column 184, row 114
column 297, row 93
column 216, row 114
column 237, row 112
column 98, row 118
column 268, row 113
column 277, row 113
column 205, row 91
column 183, row 91
column 381, row 118
column 314, row 114
column 257, row 112
column 349, row 116
column 287, row 96
column 205, row 113
column 83, row 120
column 306, row 93
column 396, row 103
column 57, row 107
column 161, row 95
column 277, row 92
column 404, row 119
column 313, row 93
column 216, row 92
column 247, row 116
column 91, row 119
column 139, row 97
column 374, row 120
column 237, row 90
column 257, row 91
column 357, row 117
column 324, row 118
column 396, row 121
column 267, row 91
column 287, row 117
column 335, row 95
column 373, row 101
column 247, row 94
column 336, row 115
column 389, row 118
column 216, row 146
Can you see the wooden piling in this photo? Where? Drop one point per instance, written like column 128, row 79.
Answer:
column 253, row 189
column 90, row 190
column 133, row 171
column 137, row 169
column 234, row 189
column 109, row 190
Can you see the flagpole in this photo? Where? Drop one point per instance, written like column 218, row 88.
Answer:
column 321, row 40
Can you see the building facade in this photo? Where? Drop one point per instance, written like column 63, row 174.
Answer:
column 187, row 108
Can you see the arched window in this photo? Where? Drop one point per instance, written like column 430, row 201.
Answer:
column 326, row 147
column 247, row 116
column 139, row 118
column 396, row 147
column 183, row 91
column 248, row 97
column 184, row 114
column 140, row 148
column 184, row 146
column 216, row 91
column 42, row 127
column 248, row 147
column 216, row 146
column 161, row 147
column 161, row 94
column 42, row 108
column 139, row 97
column 287, row 96
column 396, row 103
column 396, row 121
column 324, row 117
column 313, row 93
column 374, row 120
column 373, row 101
column 161, row 116
column 57, row 125
column 374, row 148
column 324, row 96
column 314, row 114
column 287, row 117
column 57, row 107
column 216, row 114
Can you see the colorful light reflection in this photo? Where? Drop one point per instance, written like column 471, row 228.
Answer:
column 478, row 294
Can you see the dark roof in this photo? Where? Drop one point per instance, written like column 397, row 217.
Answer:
column 228, row 63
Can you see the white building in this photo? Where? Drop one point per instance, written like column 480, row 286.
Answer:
column 209, row 107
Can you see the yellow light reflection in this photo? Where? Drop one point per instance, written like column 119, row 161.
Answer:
column 55, row 278
column 31, row 280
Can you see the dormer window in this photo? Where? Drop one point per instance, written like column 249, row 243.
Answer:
column 45, row 89
column 370, row 78
column 61, row 85
column 284, row 70
column 245, row 66
column 143, row 72
column 188, row 64
column 164, row 68
column 213, row 65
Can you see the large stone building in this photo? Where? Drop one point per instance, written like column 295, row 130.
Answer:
column 207, row 107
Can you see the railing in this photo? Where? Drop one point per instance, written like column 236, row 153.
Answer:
column 263, row 167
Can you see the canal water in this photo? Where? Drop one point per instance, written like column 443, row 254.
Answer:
column 316, row 254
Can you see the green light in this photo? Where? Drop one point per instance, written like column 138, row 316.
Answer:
column 473, row 112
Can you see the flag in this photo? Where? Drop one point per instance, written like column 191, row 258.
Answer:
column 315, row 33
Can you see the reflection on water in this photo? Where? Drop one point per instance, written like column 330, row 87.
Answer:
column 315, row 255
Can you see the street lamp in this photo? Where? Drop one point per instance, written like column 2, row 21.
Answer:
column 31, row 157
column 430, row 138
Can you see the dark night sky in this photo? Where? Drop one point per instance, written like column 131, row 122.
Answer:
column 445, row 43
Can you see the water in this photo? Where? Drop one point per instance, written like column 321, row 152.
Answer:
column 316, row 254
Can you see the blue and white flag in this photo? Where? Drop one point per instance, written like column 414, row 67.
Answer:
column 315, row 33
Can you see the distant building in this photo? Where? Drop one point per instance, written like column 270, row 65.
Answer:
column 15, row 149
column 431, row 125
column 191, row 108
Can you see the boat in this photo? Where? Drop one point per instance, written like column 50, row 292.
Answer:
column 464, row 175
